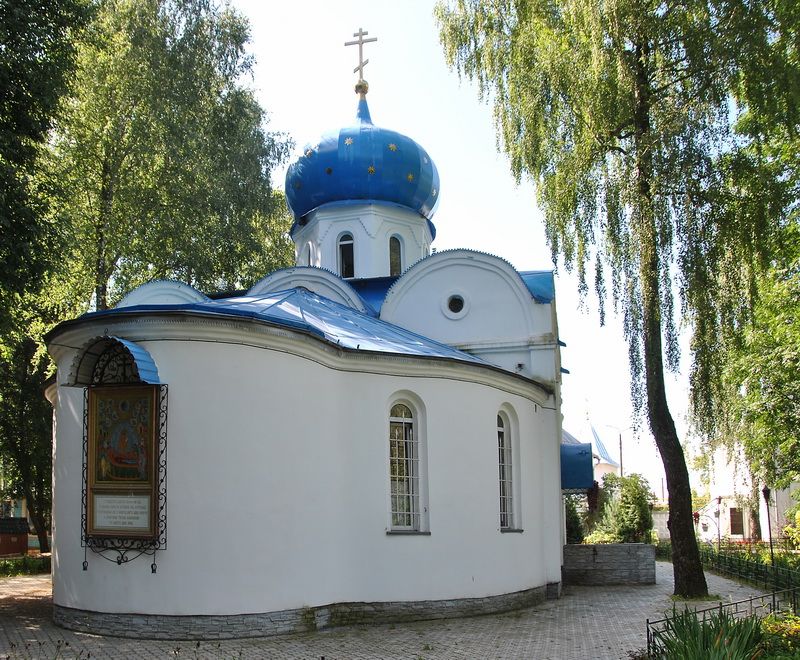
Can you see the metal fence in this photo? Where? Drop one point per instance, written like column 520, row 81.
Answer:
column 739, row 565
column 785, row 600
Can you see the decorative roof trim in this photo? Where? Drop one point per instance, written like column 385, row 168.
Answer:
column 310, row 217
column 450, row 251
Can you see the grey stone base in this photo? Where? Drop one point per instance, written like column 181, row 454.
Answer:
column 160, row 626
column 607, row 564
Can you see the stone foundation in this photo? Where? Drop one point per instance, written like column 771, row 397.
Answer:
column 160, row 626
column 607, row 564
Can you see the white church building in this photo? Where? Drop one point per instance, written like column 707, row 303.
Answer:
column 370, row 435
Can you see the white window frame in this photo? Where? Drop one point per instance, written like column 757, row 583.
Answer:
column 345, row 239
column 505, row 460
column 404, row 469
column 394, row 239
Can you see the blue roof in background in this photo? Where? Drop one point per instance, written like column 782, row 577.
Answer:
column 373, row 290
column 541, row 284
column 601, row 449
column 303, row 310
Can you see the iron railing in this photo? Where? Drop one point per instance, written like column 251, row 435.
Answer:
column 742, row 567
column 776, row 602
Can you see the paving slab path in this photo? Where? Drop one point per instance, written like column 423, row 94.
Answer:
column 586, row 623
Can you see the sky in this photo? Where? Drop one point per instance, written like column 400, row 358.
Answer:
column 303, row 76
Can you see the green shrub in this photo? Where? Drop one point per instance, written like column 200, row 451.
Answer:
column 635, row 520
column 664, row 550
column 601, row 536
column 573, row 521
column 24, row 565
column 625, row 516
column 781, row 636
column 720, row 637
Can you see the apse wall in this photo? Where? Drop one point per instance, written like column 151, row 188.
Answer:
column 278, row 484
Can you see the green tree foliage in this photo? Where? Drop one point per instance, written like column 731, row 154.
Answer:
column 626, row 516
column 761, row 376
column 25, row 414
column 618, row 111
column 37, row 56
column 25, row 430
column 161, row 163
column 700, row 501
column 742, row 390
column 574, row 524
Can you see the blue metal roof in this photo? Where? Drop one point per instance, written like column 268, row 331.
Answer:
column 541, row 284
column 363, row 162
column 145, row 365
column 601, row 449
column 86, row 360
column 373, row 290
column 303, row 310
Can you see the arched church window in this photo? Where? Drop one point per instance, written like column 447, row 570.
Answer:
column 346, row 259
column 505, row 474
column 395, row 256
column 403, row 469
column 308, row 255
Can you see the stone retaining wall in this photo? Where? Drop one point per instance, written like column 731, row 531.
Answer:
column 606, row 564
column 157, row 626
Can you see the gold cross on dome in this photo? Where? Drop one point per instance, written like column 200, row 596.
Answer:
column 360, row 43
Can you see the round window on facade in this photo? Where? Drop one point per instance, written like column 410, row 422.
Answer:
column 455, row 304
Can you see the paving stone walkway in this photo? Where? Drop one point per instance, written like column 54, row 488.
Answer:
column 586, row 623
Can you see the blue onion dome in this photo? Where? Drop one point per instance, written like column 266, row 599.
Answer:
column 363, row 163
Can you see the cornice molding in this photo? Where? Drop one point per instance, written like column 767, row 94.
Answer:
column 536, row 342
column 192, row 327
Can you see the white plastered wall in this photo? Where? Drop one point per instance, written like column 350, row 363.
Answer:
column 499, row 322
column 277, row 490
